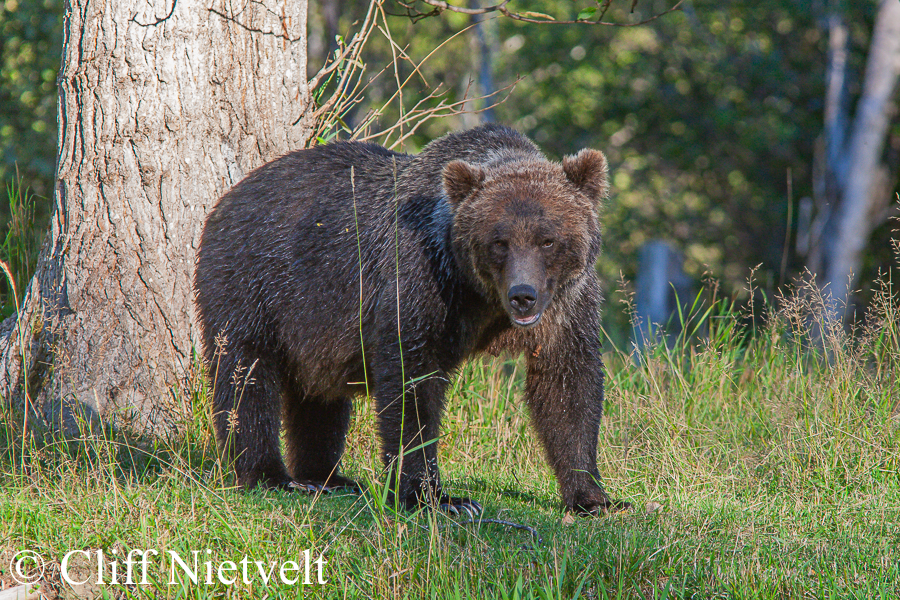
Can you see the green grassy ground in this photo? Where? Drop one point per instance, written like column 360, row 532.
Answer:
column 757, row 466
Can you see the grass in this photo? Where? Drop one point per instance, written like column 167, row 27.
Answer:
column 19, row 244
column 774, row 465
column 760, row 464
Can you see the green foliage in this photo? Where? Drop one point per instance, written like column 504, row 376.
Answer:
column 702, row 113
column 30, row 48
column 775, row 465
column 20, row 245
column 30, row 42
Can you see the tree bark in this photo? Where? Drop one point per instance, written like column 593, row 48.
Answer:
column 163, row 106
column 854, row 184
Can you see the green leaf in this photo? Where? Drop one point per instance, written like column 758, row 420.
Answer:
column 587, row 13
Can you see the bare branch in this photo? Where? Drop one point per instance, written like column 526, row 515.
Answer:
column 350, row 88
column 351, row 51
column 347, row 63
column 442, row 6
column 439, row 6
column 418, row 115
column 606, row 5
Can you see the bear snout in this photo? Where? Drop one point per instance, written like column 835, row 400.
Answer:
column 526, row 293
column 522, row 298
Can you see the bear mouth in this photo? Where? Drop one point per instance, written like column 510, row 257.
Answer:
column 527, row 321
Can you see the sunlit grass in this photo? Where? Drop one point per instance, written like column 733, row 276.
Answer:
column 759, row 466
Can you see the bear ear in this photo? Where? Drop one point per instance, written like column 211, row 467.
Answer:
column 460, row 180
column 587, row 170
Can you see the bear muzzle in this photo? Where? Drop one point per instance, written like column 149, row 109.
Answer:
column 522, row 305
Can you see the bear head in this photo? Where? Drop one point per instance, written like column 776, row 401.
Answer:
column 525, row 229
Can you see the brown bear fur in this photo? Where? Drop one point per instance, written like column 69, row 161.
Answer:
column 349, row 263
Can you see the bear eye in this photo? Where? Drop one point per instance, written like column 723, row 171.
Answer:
column 501, row 244
column 547, row 244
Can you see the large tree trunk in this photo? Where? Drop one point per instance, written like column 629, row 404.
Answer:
column 853, row 186
column 163, row 105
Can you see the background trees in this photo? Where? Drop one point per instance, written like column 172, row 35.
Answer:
column 855, row 174
column 30, row 38
column 711, row 116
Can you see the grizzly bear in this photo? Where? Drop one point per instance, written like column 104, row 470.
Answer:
column 349, row 269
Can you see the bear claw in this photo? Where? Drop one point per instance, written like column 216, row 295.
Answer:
column 316, row 487
column 456, row 506
column 607, row 508
column 309, row 488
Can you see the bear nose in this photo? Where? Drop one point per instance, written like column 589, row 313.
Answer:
column 522, row 297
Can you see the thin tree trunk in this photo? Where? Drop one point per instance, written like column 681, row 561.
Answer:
column 486, row 51
column 478, row 84
column 161, row 109
column 856, row 182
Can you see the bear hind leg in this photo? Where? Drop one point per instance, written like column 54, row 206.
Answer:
column 247, row 420
column 315, row 431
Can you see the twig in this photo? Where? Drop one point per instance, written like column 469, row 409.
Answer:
column 356, row 43
column 350, row 87
column 442, row 6
column 439, row 6
column 349, row 57
column 417, row 116
column 606, row 5
column 527, row 528
column 421, row 116
column 245, row 27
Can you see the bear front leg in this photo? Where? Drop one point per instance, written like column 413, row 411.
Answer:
column 409, row 425
column 315, row 431
column 564, row 393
